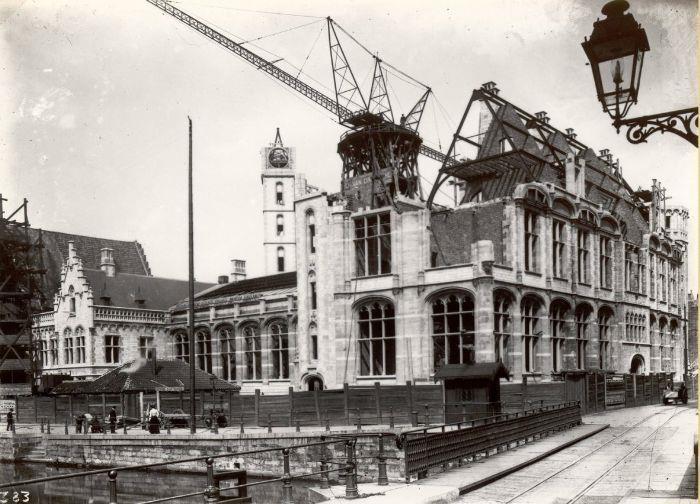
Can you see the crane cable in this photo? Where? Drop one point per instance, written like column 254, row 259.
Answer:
column 279, row 32
column 374, row 55
column 248, row 10
column 311, row 50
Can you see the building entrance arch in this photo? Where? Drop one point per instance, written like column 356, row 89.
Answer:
column 637, row 365
column 314, row 382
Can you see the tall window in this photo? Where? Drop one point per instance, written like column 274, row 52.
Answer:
column 53, row 349
column 44, row 353
column 531, row 332
column 71, row 301
column 662, row 279
column 227, row 344
column 279, row 347
column 532, row 241
column 145, row 344
column 311, row 226
column 312, row 290
column 112, row 349
column 279, row 191
column 202, row 338
column 558, row 248
column 67, row 347
column 558, row 313
column 253, row 354
column 672, row 283
column 605, row 260
column 453, row 330
column 502, row 325
column 604, row 321
column 182, row 346
column 313, row 342
column 583, row 255
column 652, row 275
column 280, row 259
column 79, row 345
column 280, row 225
column 583, row 322
column 377, row 344
column 373, row 245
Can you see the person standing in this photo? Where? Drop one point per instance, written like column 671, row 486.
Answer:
column 112, row 420
column 11, row 420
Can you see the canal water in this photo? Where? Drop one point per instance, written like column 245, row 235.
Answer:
column 132, row 487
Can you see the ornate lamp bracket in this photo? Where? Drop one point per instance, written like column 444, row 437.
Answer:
column 683, row 123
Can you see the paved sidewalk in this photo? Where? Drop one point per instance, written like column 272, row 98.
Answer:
column 446, row 486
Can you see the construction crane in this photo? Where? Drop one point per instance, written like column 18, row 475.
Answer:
column 379, row 156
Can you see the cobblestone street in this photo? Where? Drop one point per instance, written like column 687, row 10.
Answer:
column 645, row 456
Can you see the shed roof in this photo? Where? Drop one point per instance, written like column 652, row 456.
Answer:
column 480, row 370
column 142, row 376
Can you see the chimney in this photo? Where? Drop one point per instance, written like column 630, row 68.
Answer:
column 605, row 156
column 223, row 279
column 107, row 261
column 542, row 117
column 570, row 133
column 237, row 270
column 490, row 87
column 576, row 175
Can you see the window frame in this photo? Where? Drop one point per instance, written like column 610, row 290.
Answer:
column 369, row 343
column 372, row 243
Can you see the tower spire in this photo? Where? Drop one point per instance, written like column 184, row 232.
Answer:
column 278, row 139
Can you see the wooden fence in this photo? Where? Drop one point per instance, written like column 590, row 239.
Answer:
column 377, row 404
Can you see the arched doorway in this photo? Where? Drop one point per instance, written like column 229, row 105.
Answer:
column 637, row 365
column 314, row 383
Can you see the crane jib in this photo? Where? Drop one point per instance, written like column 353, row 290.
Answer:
column 270, row 68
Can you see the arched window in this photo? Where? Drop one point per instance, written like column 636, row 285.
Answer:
column 182, row 346
column 313, row 342
column 663, row 337
column 53, row 349
column 502, row 326
column 529, row 314
column 279, row 348
column 280, row 259
column 279, row 191
column 532, row 241
column 67, row 346
column 377, row 344
column 71, row 301
column 312, row 291
column 227, row 344
column 79, row 345
column 253, row 356
column 604, row 336
column 311, row 226
column 203, row 339
column 280, row 225
column 453, row 330
column 583, row 322
column 558, row 315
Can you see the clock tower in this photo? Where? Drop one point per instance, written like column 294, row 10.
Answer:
column 278, row 181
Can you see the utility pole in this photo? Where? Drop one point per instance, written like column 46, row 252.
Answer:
column 193, row 427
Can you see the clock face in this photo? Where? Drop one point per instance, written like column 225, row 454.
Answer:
column 278, row 158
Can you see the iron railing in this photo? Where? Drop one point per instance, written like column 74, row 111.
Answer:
column 437, row 446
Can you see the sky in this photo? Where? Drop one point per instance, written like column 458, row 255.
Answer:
column 96, row 94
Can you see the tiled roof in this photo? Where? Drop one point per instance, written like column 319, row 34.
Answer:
column 252, row 285
column 129, row 256
column 124, row 289
column 139, row 376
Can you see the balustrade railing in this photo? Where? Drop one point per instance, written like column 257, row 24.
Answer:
column 117, row 314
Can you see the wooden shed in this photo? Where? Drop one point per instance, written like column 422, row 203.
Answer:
column 471, row 390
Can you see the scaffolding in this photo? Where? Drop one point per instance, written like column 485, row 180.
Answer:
column 21, row 271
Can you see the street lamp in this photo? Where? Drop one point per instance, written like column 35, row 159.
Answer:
column 616, row 50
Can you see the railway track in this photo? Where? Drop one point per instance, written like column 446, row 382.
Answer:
column 582, row 493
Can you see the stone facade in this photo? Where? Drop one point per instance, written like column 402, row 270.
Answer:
column 103, row 318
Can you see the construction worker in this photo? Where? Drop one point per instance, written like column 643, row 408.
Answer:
column 11, row 420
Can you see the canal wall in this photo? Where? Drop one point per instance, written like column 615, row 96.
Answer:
column 14, row 446
column 109, row 450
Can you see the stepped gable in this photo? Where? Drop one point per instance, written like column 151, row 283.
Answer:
column 129, row 256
